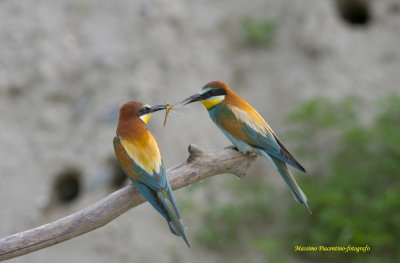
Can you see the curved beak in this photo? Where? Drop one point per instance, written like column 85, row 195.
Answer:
column 158, row 107
column 193, row 98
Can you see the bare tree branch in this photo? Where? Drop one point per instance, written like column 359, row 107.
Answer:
column 200, row 165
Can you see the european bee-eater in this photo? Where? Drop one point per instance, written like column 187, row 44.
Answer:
column 247, row 130
column 140, row 157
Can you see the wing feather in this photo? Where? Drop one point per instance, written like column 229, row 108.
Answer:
column 251, row 128
column 155, row 178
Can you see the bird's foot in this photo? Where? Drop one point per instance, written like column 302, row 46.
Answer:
column 251, row 154
column 232, row 147
column 247, row 152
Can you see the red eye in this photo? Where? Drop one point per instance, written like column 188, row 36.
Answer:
column 144, row 110
column 212, row 92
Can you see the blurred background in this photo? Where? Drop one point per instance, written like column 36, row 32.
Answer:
column 324, row 74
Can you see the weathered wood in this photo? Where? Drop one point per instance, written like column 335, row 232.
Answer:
column 200, row 165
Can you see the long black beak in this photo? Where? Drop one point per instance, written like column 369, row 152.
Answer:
column 193, row 98
column 158, row 107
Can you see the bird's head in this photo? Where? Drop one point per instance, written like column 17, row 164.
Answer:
column 133, row 109
column 212, row 94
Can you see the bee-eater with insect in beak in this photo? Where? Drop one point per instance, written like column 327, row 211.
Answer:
column 140, row 158
column 247, row 130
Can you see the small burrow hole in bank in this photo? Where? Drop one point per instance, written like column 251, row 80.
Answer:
column 67, row 185
column 355, row 12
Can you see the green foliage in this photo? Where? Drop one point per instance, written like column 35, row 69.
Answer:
column 359, row 202
column 272, row 247
column 223, row 227
column 257, row 33
column 223, row 222
column 319, row 122
column 322, row 113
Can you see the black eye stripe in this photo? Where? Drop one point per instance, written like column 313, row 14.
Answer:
column 216, row 92
column 143, row 111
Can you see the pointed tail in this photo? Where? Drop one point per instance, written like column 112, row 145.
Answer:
column 175, row 223
column 283, row 170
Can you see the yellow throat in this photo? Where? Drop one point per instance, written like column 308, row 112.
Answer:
column 211, row 102
column 145, row 118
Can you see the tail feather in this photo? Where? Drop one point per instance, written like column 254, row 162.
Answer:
column 164, row 202
column 283, row 170
column 175, row 232
column 175, row 223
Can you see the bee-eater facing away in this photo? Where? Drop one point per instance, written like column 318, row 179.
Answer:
column 247, row 130
column 140, row 157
